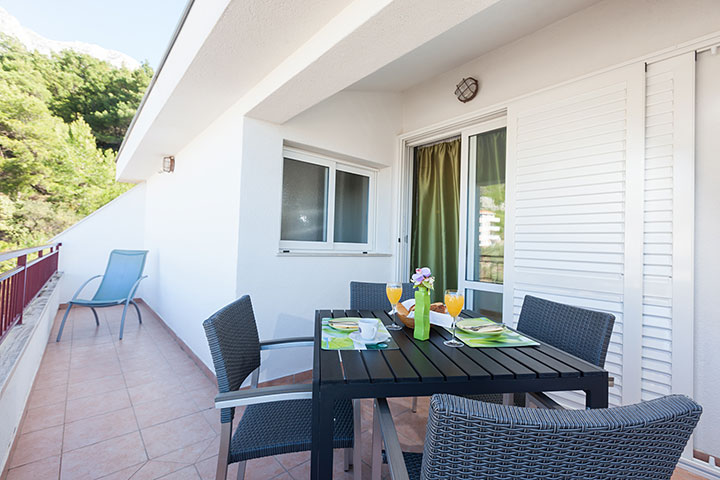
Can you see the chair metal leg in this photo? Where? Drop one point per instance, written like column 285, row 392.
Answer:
column 357, row 440
column 222, row 465
column 62, row 324
column 137, row 309
column 414, row 405
column 97, row 320
column 122, row 320
column 241, row 471
column 348, row 459
column 376, row 467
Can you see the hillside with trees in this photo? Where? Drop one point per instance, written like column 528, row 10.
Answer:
column 62, row 120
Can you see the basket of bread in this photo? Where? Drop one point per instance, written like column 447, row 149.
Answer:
column 403, row 313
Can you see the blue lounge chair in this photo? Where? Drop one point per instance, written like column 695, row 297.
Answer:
column 119, row 283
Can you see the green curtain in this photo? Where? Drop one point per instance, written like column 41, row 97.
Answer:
column 436, row 214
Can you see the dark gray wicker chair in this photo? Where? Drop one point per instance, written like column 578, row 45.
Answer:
column 578, row 331
column 277, row 419
column 371, row 296
column 476, row 440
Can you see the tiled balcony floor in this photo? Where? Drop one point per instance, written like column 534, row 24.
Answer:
column 140, row 408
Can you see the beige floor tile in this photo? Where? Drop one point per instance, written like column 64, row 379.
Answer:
column 292, row 460
column 86, row 407
column 44, row 417
column 103, row 458
column 42, row 396
column 164, row 409
column 190, row 454
column 124, row 474
column 46, row 468
column 207, row 468
column 175, row 434
column 96, row 429
column 156, row 469
column 37, row 445
column 187, row 473
column 155, row 390
column 109, row 383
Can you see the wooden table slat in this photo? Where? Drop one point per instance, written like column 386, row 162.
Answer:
column 424, row 367
column 587, row 369
column 449, row 370
column 377, row 367
column 476, row 354
column 518, row 370
column 540, row 369
column 329, row 360
column 458, row 357
column 563, row 369
column 400, row 367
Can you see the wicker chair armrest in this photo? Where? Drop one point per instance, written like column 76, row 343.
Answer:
column 254, row 396
column 393, row 451
column 541, row 400
column 287, row 343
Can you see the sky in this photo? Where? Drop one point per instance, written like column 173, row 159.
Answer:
column 139, row 28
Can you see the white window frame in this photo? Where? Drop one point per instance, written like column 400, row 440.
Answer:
column 333, row 165
column 467, row 210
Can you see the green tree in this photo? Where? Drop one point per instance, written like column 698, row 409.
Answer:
column 54, row 112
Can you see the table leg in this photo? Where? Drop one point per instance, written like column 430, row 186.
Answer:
column 597, row 396
column 321, row 466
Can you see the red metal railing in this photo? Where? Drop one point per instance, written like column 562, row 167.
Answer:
column 21, row 284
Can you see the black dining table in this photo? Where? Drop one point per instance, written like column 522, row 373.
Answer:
column 423, row 368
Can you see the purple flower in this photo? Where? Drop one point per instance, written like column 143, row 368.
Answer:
column 426, row 272
column 418, row 278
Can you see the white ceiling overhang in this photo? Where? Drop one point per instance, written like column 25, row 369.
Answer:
column 273, row 59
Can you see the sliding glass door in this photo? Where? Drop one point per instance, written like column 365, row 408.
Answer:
column 482, row 236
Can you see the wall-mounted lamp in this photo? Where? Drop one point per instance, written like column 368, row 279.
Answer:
column 467, row 89
column 168, row 164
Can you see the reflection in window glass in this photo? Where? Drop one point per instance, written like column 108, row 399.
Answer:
column 304, row 201
column 486, row 222
column 352, row 194
column 485, row 303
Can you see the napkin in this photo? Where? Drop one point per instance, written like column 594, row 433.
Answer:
column 439, row 319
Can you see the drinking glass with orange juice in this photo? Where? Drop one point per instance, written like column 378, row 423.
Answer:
column 454, row 301
column 394, row 294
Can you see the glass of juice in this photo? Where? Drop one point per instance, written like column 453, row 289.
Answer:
column 454, row 301
column 394, row 293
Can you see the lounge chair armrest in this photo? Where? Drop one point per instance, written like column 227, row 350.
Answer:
column 255, row 396
column 542, row 401
column 287, row 343
column 135, row 287
column 77, row 292
column 393, row 451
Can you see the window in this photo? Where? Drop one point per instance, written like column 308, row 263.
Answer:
column 486, row 207
column 326, row 204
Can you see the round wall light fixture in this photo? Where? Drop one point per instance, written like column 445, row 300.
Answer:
column 467, row 89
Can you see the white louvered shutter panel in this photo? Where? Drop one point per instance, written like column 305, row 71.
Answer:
column 666, row 321
column 568, row 155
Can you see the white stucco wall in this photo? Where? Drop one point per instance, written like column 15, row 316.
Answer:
column 191, row 228
column 603, row 35
column 707, row 259
column 86, row 245
column 287, row 290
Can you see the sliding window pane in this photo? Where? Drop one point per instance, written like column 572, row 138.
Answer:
column 352, row 194
column 486, row 220
column 485, row 303
column 304, row 201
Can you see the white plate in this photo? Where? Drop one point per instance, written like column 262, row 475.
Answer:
column 379, row 338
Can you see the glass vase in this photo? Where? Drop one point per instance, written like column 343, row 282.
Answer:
column 422, row 314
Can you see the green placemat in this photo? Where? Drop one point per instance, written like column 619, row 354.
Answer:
column 338, row 340
column 508, row 338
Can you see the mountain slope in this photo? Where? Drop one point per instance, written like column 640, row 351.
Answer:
column 10, row 25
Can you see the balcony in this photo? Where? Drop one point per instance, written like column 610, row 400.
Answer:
column 142, row 407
